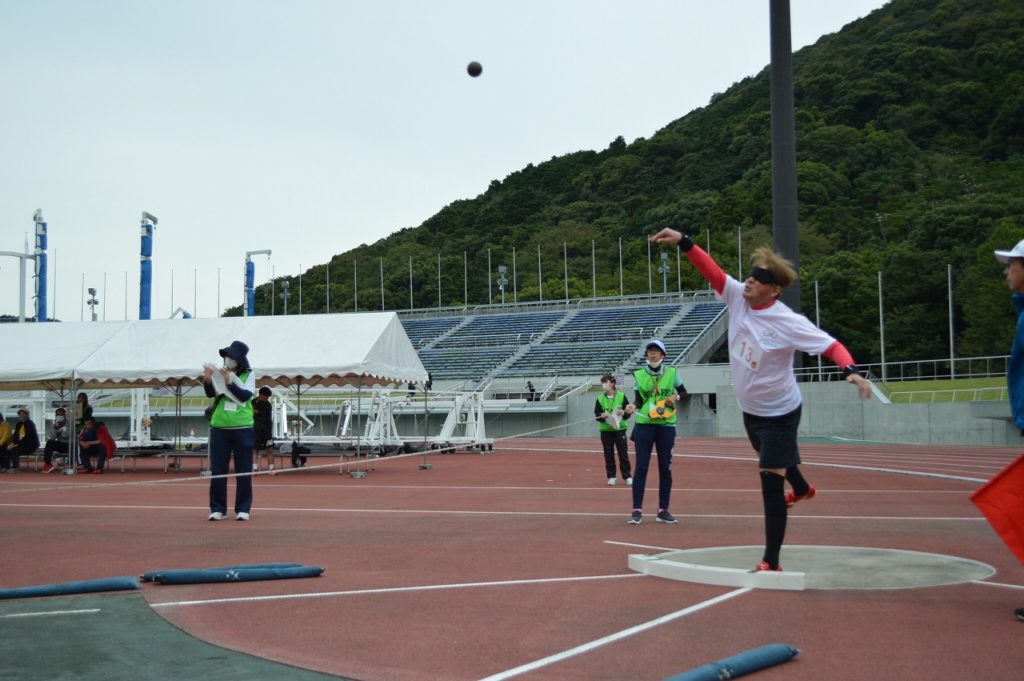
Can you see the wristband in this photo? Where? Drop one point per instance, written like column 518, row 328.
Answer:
column 685, row 244
column 850, row 369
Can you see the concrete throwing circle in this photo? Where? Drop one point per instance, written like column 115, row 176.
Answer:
column 846, row 567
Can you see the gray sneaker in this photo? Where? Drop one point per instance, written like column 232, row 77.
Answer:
column 216, row 515
column 666, row 517
column 636, row 518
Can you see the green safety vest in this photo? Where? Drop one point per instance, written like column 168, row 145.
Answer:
column 241, row 417
column 645, row 386
column 609, row 404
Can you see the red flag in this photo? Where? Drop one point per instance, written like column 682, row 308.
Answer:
column 1001, row 501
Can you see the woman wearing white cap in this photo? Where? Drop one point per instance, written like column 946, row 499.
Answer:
column 763, row 335
column 658, row 388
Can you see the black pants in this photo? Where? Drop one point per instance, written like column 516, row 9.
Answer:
column 12, row 457
column 52, row 446
column 610, row 441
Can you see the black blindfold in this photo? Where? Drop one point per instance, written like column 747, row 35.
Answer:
column 762, row 275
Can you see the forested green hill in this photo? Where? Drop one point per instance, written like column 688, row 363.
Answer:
column 910, row 150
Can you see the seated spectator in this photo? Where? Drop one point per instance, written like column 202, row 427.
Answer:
column 59, row 442
column 103, row 433
column 89, row 445
column 25, row 440
column 5, row 433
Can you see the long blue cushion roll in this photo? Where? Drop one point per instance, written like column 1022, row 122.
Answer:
column 152, row 575
column 739, row 664
column 65, row 588
column 236, row 575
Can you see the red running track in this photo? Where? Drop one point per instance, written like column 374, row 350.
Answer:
column 514, row 564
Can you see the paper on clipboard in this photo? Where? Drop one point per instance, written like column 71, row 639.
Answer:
column 614, row 419
column 220, row 385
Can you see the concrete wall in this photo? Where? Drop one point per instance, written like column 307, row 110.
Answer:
column 834, row 410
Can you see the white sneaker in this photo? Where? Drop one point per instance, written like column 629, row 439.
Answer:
column 629, row 481
column 241, row 515
column 216, row 515
column 611, row 482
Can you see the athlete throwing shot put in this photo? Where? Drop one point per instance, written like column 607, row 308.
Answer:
column 763, row 335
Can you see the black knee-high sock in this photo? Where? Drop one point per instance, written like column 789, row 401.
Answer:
column 796, row 479
column 773, row 491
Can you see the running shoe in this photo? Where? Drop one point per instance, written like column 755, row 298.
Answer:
column 1019, row 612
column 763, row 566
column 793, row 497
column 241, row 515
column 636, row 518
column 611, row 482
column 216, row 515
column 666, row 517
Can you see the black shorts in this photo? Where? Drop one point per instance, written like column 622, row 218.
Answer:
column 264, row 439
column 774, row 438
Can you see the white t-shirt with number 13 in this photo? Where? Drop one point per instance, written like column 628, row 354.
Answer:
column 761, row 347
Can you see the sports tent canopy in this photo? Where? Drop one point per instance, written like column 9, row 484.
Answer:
column 337, row 349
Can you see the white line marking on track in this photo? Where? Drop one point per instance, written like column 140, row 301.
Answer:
column 427, row 511
column 397, row 589
column 586, row 647
column 51, row 613
column 643, row 546
column 1005, row 586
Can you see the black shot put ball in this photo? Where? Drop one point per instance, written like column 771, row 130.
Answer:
column 474, row 69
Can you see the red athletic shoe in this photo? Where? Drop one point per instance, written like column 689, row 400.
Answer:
column 763, row 566
column 792, row 497
column 97, row 471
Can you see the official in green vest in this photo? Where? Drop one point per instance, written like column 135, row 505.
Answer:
column 658, row 389
column 231, row 429
column 610, row 412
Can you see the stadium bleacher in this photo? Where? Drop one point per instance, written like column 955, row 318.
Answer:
column 559, row 342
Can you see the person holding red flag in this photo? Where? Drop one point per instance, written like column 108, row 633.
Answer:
column 1001, row 499
column 763, row 335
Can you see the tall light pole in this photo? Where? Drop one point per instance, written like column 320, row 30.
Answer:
column 92, row 302
column 285, row 286
column 663, row 270
column 502, row 281
column 148, row 225
column 949, row 287
column 784, row 197
column 249, row 308
column 40, row 262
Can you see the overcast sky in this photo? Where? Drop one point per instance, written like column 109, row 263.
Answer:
column 312, row 126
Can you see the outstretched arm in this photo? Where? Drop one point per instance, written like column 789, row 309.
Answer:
column 704, row 263
column 838, row 353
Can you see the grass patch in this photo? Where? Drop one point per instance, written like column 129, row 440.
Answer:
column 946, row 390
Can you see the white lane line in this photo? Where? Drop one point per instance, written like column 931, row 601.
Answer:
column 873, row 469
column 557, row 514
column 50, row 613
column 390, row 590
column 586, row 647
column 643, row 546
column 1005, row 586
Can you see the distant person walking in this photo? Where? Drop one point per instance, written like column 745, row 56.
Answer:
column 763, row 335
column 231, row 429
column 610, row 412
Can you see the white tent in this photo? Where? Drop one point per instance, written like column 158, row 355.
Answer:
column 337, row 349
column 44, row 356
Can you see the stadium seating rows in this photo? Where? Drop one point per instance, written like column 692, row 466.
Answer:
column 587, row 341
